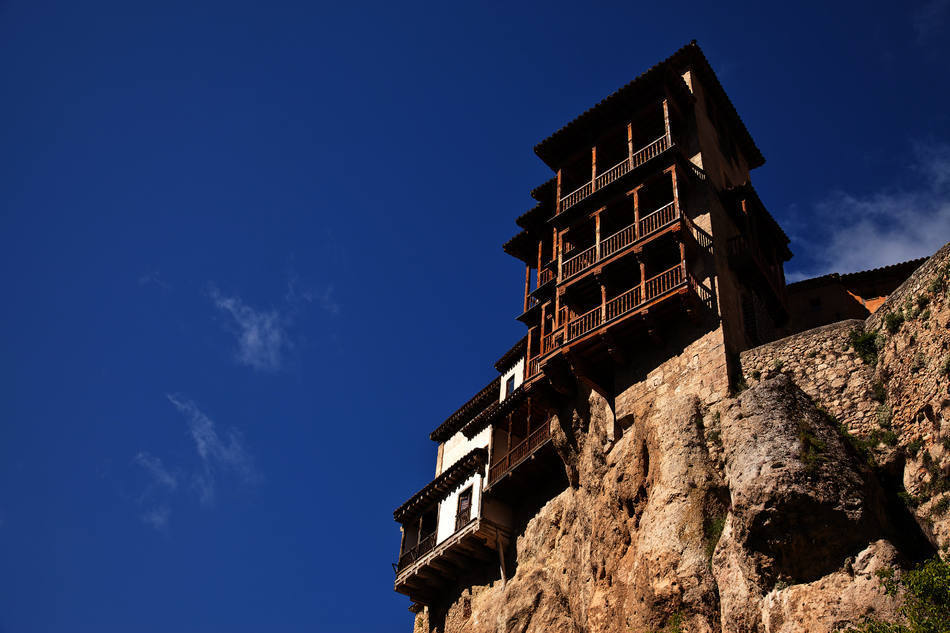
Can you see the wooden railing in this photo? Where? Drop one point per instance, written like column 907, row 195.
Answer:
column 583, row 324
column 413, row 554
column 576, row 196
column 625, row 237
column 463, row 518
column 579, row 262
column 534, row 366
column 658, row 219
column 520, row 452
column 546, row 275
column 642, row 155
column 623, row 303
column 620, row 305
column 613, row 173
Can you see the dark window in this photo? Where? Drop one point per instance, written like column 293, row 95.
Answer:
column 464, row 514
column 510, row 386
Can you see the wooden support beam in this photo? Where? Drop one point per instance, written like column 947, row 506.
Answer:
column 557, row 199
column 666, row 120
column 594, row 379
column 527, row 286
column 593, row 168
column 630, row 142
column 501, row 560
column 614, row 348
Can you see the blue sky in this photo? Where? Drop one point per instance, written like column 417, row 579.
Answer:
column 252, row 256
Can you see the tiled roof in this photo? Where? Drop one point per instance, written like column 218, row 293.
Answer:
column 510, row 357
column 614, row 108
column 467, row 411
column 441, row 485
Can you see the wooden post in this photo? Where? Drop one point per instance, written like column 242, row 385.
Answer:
column 630, row 143
column 636, row 213
column 593, row 169
column 557, row 195
column 666, row 122
column 541, row 349
column 597, row 235
column 560, row 248
column 603, row 301
column 527, row 285
column 540, row 245
column 643, row 280
column 527, row 358
column 676, row 195
column 683, row 258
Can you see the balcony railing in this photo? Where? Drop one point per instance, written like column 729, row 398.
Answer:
column 411, row 555
column 621, row 305
column 463, row 518
column 625, row 237
column 641, row 156
column 546, row 275
column 520, row 452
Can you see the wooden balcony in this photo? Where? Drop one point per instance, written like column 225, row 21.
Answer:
column 411, row 555
column 426, row 577
column 649, row 226
column 650, row 292
column 520, row 452
column 631, row 162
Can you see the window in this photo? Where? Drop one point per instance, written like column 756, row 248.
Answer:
column 509, row 386
column 464, row 513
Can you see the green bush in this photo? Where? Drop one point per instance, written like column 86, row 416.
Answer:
column 920, row 362
column 893, row 321
column 914, row 447
column 712, row 530
column 878, row 392
column 864, row 345
column 925, row 604
column 945, row 368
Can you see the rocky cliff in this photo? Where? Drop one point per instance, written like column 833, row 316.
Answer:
column 768, row 510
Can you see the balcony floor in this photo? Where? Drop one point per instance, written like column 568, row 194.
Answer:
column 475, row 544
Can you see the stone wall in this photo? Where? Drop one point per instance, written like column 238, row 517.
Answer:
column 821, row 362
column 695, row 364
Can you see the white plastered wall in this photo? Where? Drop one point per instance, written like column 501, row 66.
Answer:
column 517, row 370
column 448, row 509
column 458, row 446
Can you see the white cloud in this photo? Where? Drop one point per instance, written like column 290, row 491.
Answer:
column 217, row 454
column 158, row 517
column 154, row 467
column 852, row 232
column 261, row 334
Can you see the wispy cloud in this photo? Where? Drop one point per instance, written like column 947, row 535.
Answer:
column 159, row 474
column 878, row 228
column 154, row 278
column 157, row 517
column 261, row 334
column 217, row 454
column 219, row 458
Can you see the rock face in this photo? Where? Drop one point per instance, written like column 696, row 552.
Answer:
column 635, row 544
column 756, row 513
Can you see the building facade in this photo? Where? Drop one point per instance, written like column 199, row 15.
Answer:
column 648, row 244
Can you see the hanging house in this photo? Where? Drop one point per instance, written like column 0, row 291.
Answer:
column 648, row 236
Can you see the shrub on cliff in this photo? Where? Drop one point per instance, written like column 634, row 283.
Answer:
column 926, row 600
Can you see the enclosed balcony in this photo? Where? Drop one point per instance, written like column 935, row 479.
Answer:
column 448, row 528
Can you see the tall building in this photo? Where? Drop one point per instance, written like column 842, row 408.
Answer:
column 649, row 262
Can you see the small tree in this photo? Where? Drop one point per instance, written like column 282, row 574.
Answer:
column 926, row 600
